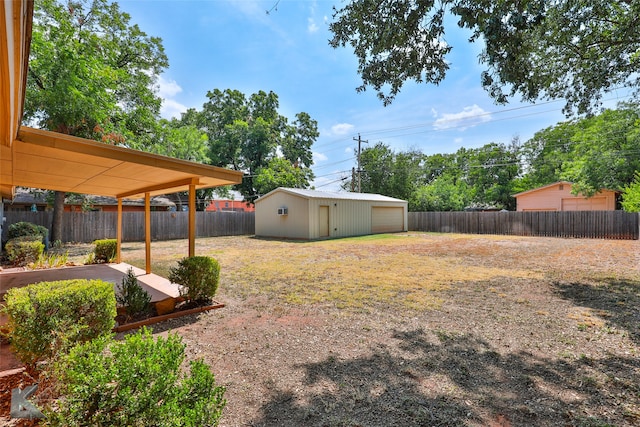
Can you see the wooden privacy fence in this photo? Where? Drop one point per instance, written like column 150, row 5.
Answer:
column 89, row 226
column 580, row 224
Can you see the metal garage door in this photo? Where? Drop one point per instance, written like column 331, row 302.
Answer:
column 580, row 204
column 387, row 219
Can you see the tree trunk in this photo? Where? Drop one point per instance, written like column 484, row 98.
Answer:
column 58, row 209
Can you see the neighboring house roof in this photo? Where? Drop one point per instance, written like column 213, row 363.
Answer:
column 554, row 184
column 23, row 197
column 315, row 194
column 227, row 204
column 542, row 188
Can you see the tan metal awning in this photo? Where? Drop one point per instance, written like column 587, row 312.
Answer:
column 53, row 161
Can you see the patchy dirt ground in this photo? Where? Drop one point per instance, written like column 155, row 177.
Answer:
column 420, row 330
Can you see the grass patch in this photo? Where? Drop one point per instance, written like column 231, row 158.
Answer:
column 359, row 272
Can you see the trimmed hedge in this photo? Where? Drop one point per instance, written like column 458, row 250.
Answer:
column 199, row 277
column 105, row 250
column 24, row 250
column 135, row 382
column 49, row 317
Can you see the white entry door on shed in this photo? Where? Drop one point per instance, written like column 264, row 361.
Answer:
column 323, row 221
column 387, row 219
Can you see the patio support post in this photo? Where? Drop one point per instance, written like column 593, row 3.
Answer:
column 192, row 220
column 119, row 231
column 147, row 231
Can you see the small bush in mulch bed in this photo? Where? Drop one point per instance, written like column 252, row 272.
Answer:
column 135, row 300
column 198, row 276
column 138, row 381
column 49, row 317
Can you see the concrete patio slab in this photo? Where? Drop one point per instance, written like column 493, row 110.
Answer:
column 157, row 286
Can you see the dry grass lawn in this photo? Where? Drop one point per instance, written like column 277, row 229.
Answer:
column 419, row 330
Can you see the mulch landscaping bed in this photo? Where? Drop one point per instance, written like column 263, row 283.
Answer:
column 8, row 383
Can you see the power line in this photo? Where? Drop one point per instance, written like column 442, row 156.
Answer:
column 376, row 132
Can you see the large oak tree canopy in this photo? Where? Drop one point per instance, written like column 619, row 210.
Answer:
column 576, row 50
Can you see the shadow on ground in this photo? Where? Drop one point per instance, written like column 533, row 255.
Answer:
column 435, row 378
column 616, row 301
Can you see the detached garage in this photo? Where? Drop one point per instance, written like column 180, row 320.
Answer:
column 558, row 197
column 308, row 214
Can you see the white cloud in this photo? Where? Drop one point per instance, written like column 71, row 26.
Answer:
column 468, row 117
column 348, row 150
column 319, row 157
column 458, row 141
column 171, row 108
column 168, row 88
column 341, row 129
column 312, row 27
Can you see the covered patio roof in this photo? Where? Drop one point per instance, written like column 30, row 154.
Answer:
column 53, row 161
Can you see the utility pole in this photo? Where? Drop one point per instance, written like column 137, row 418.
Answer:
column 353, row 180
column 360, row 141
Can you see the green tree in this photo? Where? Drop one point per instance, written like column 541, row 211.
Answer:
column 593, row 153
column 279, row 172
column 92, row 74
column 571, row 50
column 545, row 155
column 436, row 165
column 249, row 135
column 493, row 169
column 376, row 165
column 186, row 142
column 441, row 194
column 406, row 174
column 631, row 195
column 605, row 151
column 179, row 140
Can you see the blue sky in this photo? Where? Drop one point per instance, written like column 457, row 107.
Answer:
column 236, row 44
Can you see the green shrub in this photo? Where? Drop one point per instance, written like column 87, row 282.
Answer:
column 132, row 296
column 46, row 318
column 199, row 277
column 135, row 382
column 24, row 250
column 23, row 228
column 105, row 250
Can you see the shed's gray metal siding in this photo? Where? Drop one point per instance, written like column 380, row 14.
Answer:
column 349, row 214
column 294, row 225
